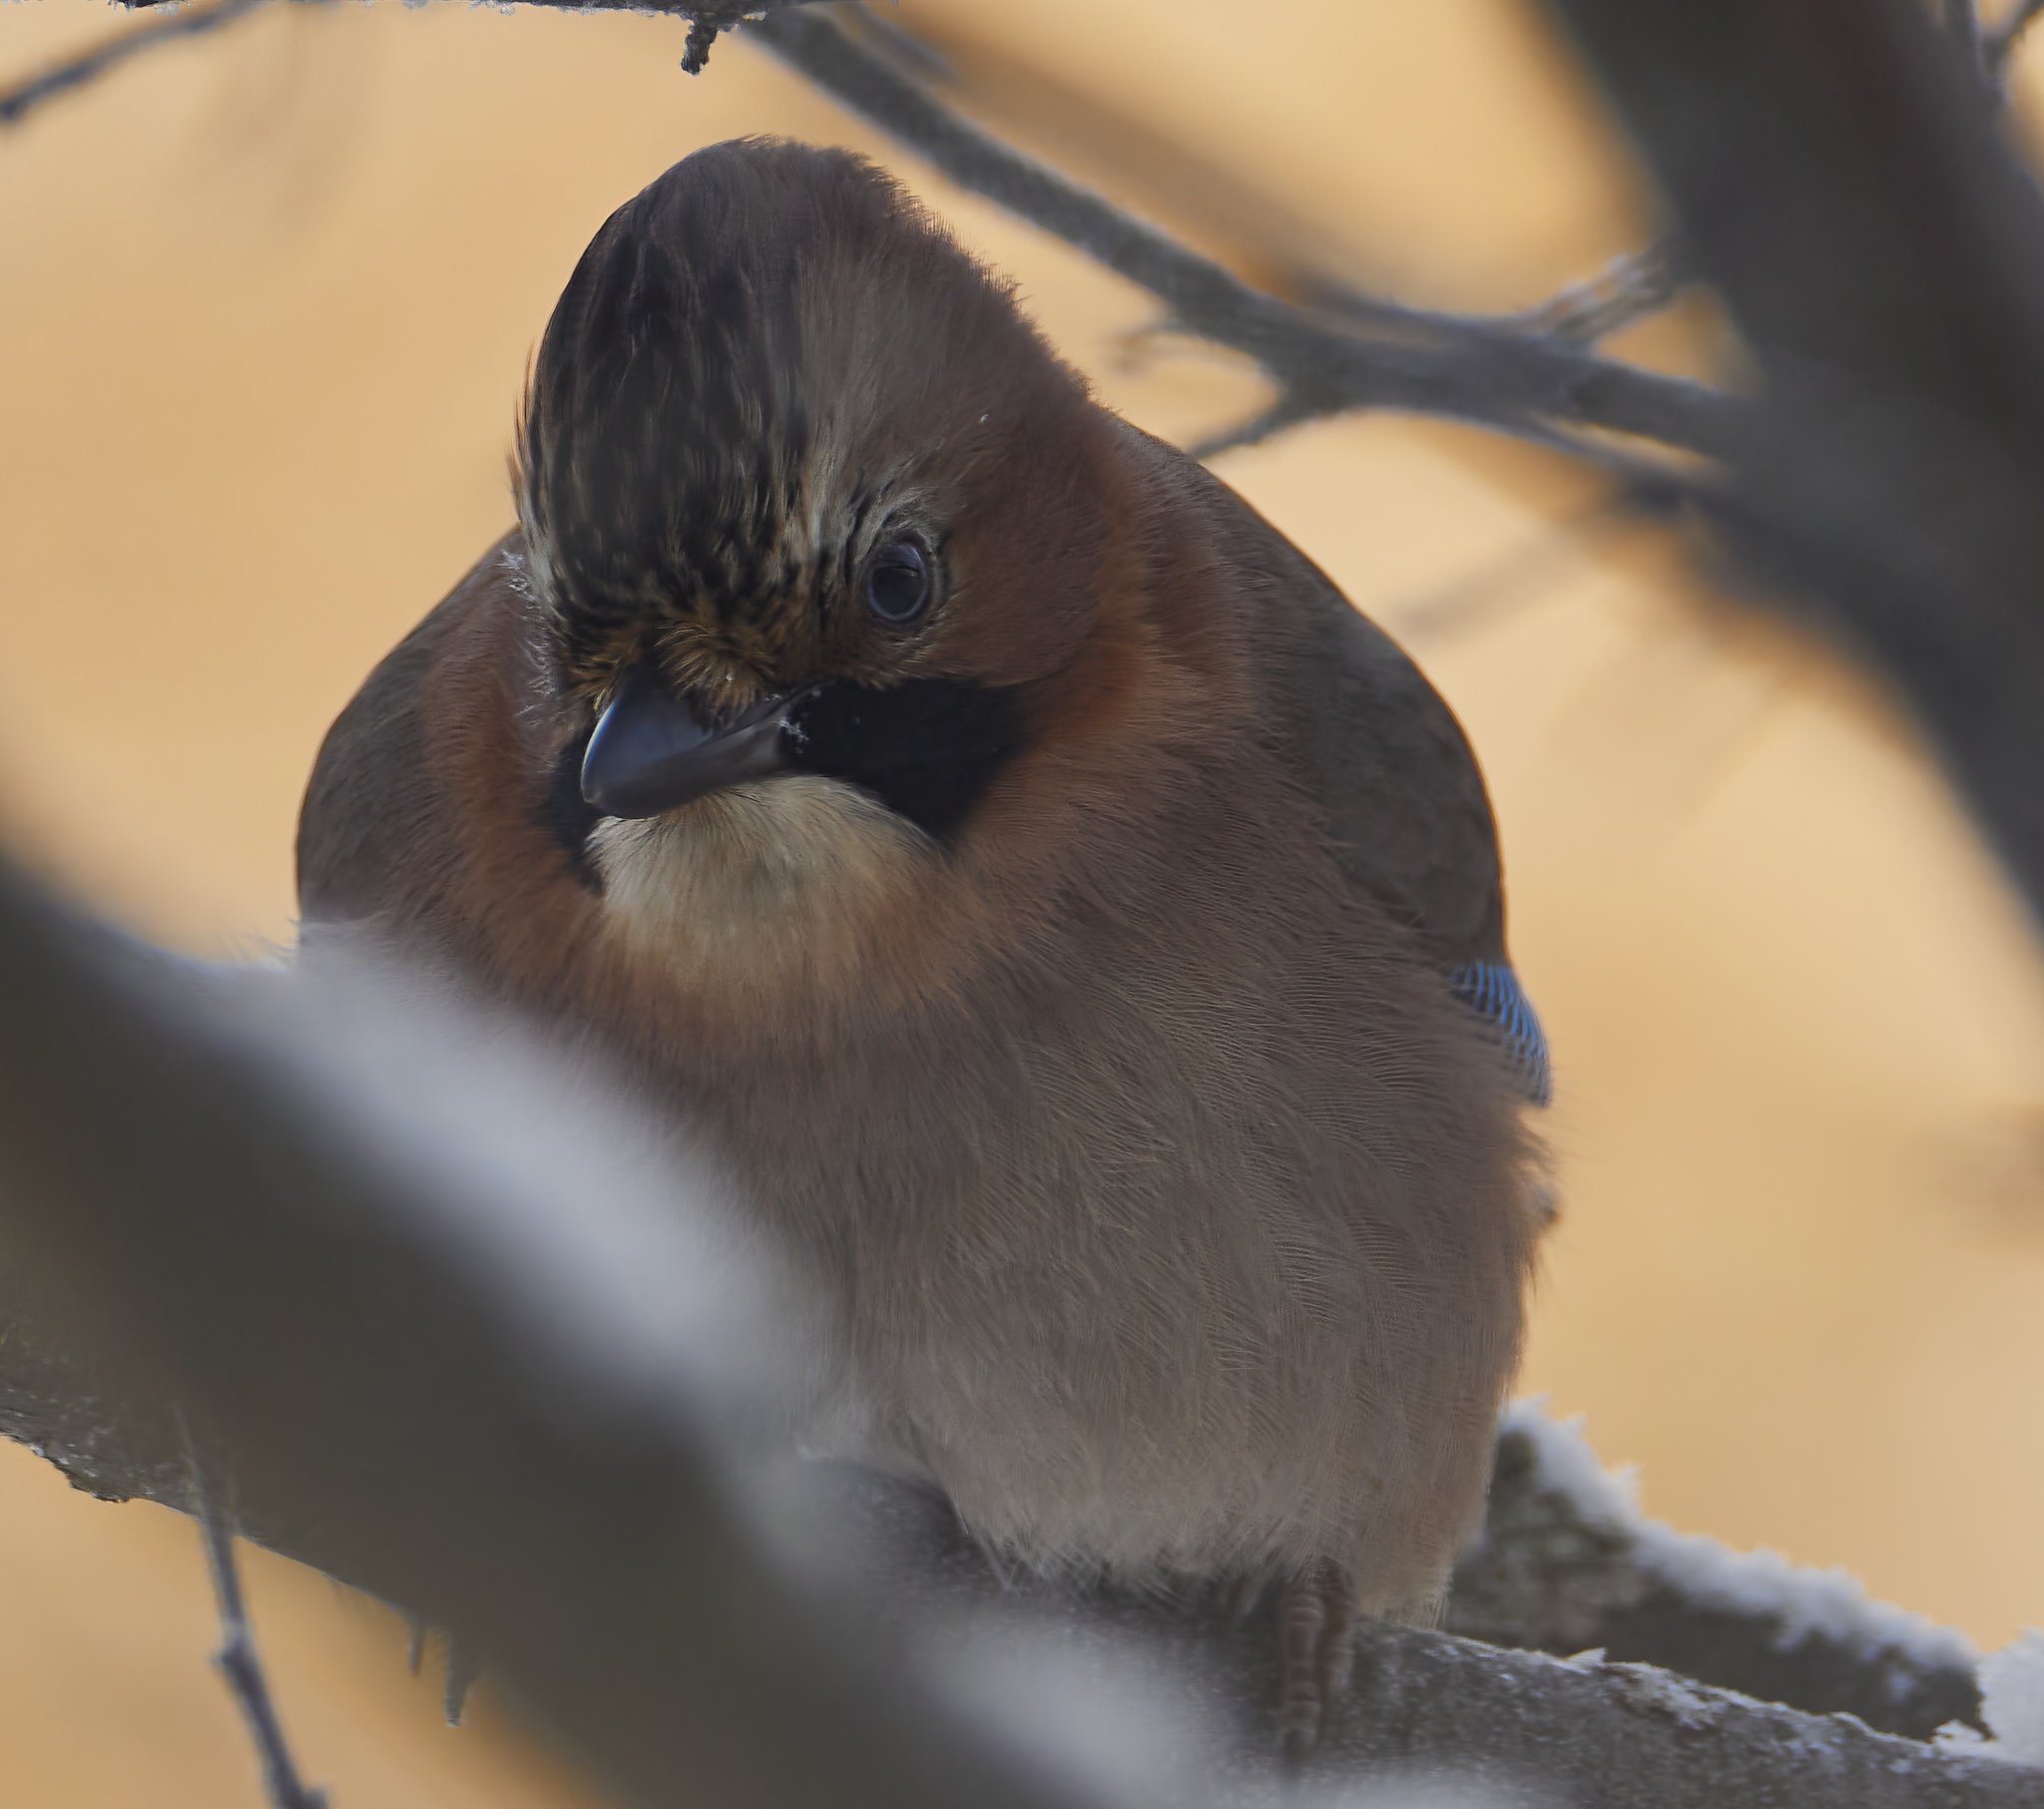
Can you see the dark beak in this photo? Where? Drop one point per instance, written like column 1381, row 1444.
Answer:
column 652, row 753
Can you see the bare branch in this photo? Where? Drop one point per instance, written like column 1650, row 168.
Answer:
column 1175, row 177
column 1524, row 373
column 236, row 1658
column 1882, row 252
column 21, row 99
column 706, row 19
column 1367, row 354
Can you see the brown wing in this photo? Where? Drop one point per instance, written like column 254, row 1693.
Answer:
column 1368, row 739
column 1402, row 799
column 1375, row 746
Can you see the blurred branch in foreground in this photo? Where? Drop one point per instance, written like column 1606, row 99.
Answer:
column 477, row 1403
column 1565, row 1566
column 1881, row 252
column 345, row 1235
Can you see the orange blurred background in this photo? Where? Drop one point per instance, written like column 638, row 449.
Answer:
column 266, row 301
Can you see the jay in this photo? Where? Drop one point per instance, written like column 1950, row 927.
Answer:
column 1077, row 928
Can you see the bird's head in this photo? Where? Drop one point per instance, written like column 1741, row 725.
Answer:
column 809, row 508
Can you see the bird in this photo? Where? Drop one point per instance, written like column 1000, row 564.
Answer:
column 1077, row 929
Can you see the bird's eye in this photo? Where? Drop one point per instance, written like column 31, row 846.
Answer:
column 898, row 584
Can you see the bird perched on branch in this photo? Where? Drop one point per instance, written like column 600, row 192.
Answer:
column 1078, row 928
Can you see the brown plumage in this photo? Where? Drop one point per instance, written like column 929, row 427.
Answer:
column 1060, row 908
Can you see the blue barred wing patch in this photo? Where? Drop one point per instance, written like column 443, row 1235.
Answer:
column 1491, row 990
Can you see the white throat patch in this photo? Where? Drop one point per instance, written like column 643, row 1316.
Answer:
column 760, row 883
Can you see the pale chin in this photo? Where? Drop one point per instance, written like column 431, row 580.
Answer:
column 758, row 885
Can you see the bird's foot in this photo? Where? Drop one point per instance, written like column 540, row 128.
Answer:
column 1316, row 1638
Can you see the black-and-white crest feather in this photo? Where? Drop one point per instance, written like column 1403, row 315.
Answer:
column 706, row 456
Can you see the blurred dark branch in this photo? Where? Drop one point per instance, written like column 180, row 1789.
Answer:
column 508, row 1464
column 1361, row 354
column 1882, row 252
column 23, row 97
column 378, row 1385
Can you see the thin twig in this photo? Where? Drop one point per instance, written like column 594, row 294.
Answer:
column 1325, row 360
column 1251, row 431
column 1626, row 292
column 1629, row 290
column 89, row 65
column 706, row 18
column 236, row 1658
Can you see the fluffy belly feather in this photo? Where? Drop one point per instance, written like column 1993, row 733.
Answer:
column 1155, row 1280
